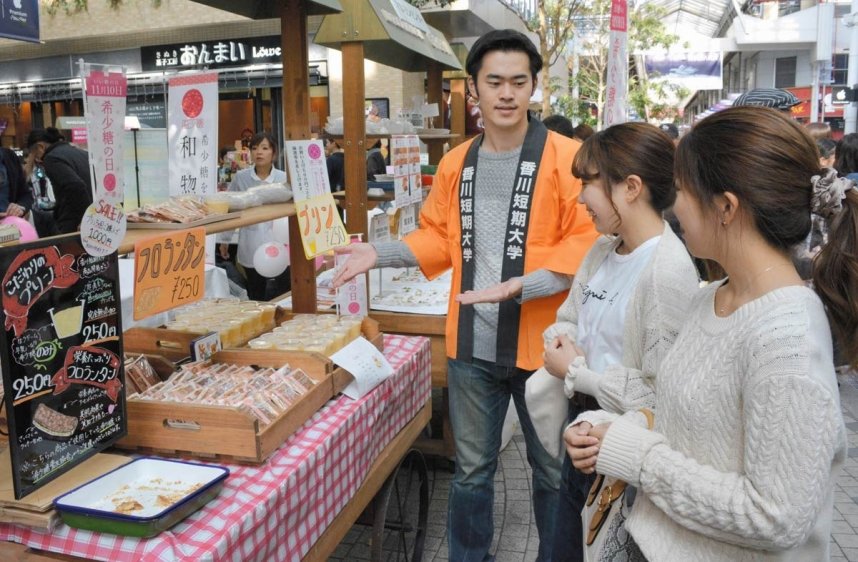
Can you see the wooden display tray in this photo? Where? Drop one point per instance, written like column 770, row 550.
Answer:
column 225, row 433
column 183, row 225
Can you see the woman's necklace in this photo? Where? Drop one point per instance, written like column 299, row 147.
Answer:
column 723, row 308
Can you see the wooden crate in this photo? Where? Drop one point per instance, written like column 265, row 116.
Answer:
column 225, row 433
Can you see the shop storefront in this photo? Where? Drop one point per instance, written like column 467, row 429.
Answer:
column 250, row 75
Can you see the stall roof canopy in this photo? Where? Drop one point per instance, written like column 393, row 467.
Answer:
column 392, row 32
column 266, row 9
column 703, row 16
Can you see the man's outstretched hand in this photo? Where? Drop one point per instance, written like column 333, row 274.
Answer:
column 362, row 258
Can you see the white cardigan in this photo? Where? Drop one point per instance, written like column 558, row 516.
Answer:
column 654, row 316
column 748, row 438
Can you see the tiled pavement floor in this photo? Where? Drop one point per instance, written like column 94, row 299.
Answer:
column 515, row 538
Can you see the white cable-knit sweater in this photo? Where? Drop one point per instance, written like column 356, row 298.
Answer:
column 748, row 437
column 654, row 315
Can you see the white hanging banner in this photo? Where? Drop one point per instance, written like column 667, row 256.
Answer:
column 192, row 115
column 104, row 93
column 616, row 94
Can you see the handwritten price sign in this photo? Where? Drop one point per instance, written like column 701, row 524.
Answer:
column 169, row 271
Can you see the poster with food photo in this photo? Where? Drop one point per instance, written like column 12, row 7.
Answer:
column 61, row 355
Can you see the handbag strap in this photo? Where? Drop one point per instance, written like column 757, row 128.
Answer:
column 610, row 493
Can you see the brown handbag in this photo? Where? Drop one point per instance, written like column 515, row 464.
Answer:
column 603, row 504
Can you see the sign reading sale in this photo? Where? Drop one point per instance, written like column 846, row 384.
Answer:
column 169, row 271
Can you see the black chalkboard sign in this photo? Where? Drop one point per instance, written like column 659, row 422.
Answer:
column 61, row 354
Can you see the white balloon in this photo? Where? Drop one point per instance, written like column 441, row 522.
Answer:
column 280, row 230
column 271, row 259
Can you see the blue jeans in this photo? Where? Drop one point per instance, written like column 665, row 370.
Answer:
column 574, row 486
column 479, row 399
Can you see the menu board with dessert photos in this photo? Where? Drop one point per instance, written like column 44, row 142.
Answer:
column 61, row 352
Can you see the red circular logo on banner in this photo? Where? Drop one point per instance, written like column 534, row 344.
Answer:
column 109, row 182
column 314, row 151
column 192, row 103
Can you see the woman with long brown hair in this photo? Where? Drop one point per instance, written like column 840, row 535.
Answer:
column 749, row 436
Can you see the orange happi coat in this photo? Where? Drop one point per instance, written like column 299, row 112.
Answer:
column 560, row 234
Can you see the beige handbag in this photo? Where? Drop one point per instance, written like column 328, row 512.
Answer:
column 548, row 407
column 604, row 516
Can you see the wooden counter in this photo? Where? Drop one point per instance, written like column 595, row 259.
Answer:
column 254, row 215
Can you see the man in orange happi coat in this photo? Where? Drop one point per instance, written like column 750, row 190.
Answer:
column 504, row 214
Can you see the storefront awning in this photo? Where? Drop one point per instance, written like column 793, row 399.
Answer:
column 393, row 33
column 266, row 9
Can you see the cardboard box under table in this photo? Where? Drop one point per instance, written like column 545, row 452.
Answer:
column 299, row 504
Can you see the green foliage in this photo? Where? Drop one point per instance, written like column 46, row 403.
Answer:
column 646, row 32
column 75, row 6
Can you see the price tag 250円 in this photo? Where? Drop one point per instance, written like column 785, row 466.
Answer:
column 169, row 271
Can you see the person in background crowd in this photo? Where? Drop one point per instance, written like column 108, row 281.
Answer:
column 375, row 163
column 583, row 132
column 672, row 131
column 263, row 147
column 336, row 163
column 559, row 124
column 774, row 98
column 749, row 437
column 42, row 212
column 67, row 167
column 246, row 138
column 611, row 349
column 509, row 277
column 846, row 156
column 818, row 131
column 827, row 152
column 16, row 198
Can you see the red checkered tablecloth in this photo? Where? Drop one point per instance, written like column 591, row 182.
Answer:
column 278, row 510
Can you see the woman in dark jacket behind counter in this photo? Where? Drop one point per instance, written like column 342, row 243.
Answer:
column 67, row 167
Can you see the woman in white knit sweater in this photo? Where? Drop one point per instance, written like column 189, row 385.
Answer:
column 629, row 297
column 749, row 436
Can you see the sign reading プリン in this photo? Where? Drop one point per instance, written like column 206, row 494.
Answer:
column 192, row 134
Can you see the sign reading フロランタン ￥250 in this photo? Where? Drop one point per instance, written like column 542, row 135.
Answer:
column 61, row 357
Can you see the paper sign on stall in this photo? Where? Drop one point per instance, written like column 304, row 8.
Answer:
column 399, row 158
column 379, row 226
column 169, row 271
column 365, row 363
column 407, row 219
column 192, row 115
column 321, row 228
column 415, row 178
column 352, row 297
column 104, row 94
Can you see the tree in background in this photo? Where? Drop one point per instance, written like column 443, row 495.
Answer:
column 646, row 31
column 553, row 22
column 73, row 6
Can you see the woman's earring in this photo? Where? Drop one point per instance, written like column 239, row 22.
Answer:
column 476, row 102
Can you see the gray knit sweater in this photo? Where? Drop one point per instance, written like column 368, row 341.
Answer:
column 493, row 188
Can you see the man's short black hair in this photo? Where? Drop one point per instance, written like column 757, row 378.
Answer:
column 559, row 124
column 502, row 40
